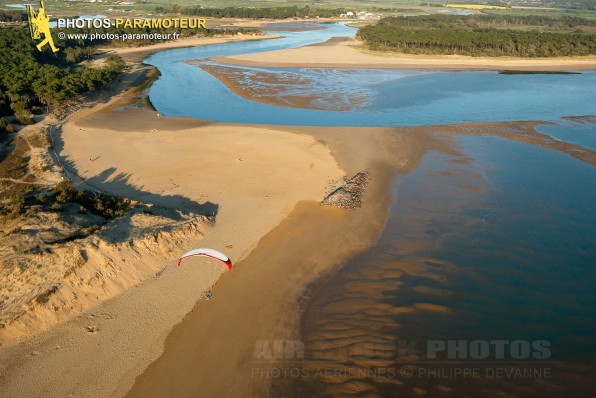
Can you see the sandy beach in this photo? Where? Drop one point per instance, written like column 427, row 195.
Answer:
column 254, row 171
column 247, row 179
column 350, row 53
column 260, row 301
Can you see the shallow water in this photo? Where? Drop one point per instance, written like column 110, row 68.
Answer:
column 576, row 132
column 475, row 248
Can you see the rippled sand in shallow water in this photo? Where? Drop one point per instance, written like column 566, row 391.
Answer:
column 453, row 263
column 290, row 89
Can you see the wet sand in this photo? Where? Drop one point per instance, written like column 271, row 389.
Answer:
column 272, row 88
column 259, row 86
column 254, row 304
column 249, row 177
column 260, row 300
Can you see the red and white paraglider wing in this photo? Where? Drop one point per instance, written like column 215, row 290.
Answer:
column 207, row 253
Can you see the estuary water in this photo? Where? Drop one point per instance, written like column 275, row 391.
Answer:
column 495, row 243
column 392, row 97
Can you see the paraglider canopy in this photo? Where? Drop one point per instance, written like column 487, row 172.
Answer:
column 207, row 253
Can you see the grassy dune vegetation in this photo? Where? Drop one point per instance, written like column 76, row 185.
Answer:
column 483, row 35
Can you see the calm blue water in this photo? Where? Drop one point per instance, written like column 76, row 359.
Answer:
column 583, row 134
column 394, row 97
column 526, row 260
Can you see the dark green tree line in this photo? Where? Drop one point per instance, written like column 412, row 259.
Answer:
column 486, row 21
column 29, row 78
column 458, row 36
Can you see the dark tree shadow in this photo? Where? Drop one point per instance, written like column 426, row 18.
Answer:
column 111, row 182
column 121, row 184
column 6, row 146
column 14, row 166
